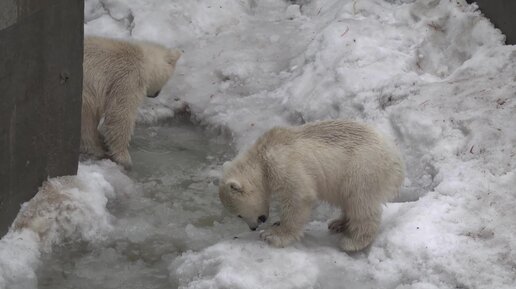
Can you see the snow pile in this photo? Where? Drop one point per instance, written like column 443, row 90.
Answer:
column 247, row 265
column 19, row 257
column 65, row 208
column 434, row 74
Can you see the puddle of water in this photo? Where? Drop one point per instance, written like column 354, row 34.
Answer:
column 175, row 208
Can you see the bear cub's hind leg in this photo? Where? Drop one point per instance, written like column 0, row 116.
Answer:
column 92, row 144
column 361, row 228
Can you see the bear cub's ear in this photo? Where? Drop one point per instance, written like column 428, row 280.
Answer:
column 234, row 185
column 173, row 56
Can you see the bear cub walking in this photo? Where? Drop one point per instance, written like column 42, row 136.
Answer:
column 117, row 76
column 344, row 163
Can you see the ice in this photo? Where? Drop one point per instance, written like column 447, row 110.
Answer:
column 153, row 221
column 433, row 75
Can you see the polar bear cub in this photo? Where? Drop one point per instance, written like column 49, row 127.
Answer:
column 344, row 163
column 117, row 76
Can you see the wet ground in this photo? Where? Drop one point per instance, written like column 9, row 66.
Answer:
column 173, row 207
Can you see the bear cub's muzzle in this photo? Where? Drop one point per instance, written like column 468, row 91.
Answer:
column 261, row 219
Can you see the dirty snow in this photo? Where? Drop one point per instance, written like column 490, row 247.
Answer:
column 434, row 75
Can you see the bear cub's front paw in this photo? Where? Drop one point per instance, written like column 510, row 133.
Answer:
column 338, row 226
column 275, row 236
column 123, row 159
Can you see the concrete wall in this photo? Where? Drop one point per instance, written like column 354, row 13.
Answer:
column 501, row 13
column 40, row 96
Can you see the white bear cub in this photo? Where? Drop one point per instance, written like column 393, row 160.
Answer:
column 344, row 163
column 117, row 76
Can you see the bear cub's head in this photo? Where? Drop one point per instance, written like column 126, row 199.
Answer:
column 160, row 65
column 241, row 197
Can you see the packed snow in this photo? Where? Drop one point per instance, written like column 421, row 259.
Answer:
column 434, row 75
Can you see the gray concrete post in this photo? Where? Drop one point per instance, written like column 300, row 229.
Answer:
column 41, row 50
column 501, row 13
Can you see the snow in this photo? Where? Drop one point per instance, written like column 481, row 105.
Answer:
column 434, row 75
column 72, row 208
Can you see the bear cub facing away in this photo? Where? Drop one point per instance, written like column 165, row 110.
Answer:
column 344, row 163
column 117, row 76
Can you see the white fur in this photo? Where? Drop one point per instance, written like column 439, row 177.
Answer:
column 117, row 76
column 344, row 163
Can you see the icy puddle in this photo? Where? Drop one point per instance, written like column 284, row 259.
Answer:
column 173, row 207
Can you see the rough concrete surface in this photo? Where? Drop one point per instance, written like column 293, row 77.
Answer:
column 40, row 94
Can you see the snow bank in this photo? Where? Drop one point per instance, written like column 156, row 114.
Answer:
column 433, row 74
column 19, row 257
column 64, row 209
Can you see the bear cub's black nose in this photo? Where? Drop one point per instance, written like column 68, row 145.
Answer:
column 262, row 219
column 154, row 95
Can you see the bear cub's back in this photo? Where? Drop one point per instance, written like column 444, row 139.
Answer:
column 105, row 51
column 338, row 132
column 345, row 135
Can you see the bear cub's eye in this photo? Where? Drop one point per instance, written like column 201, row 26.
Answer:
column 239, row 216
